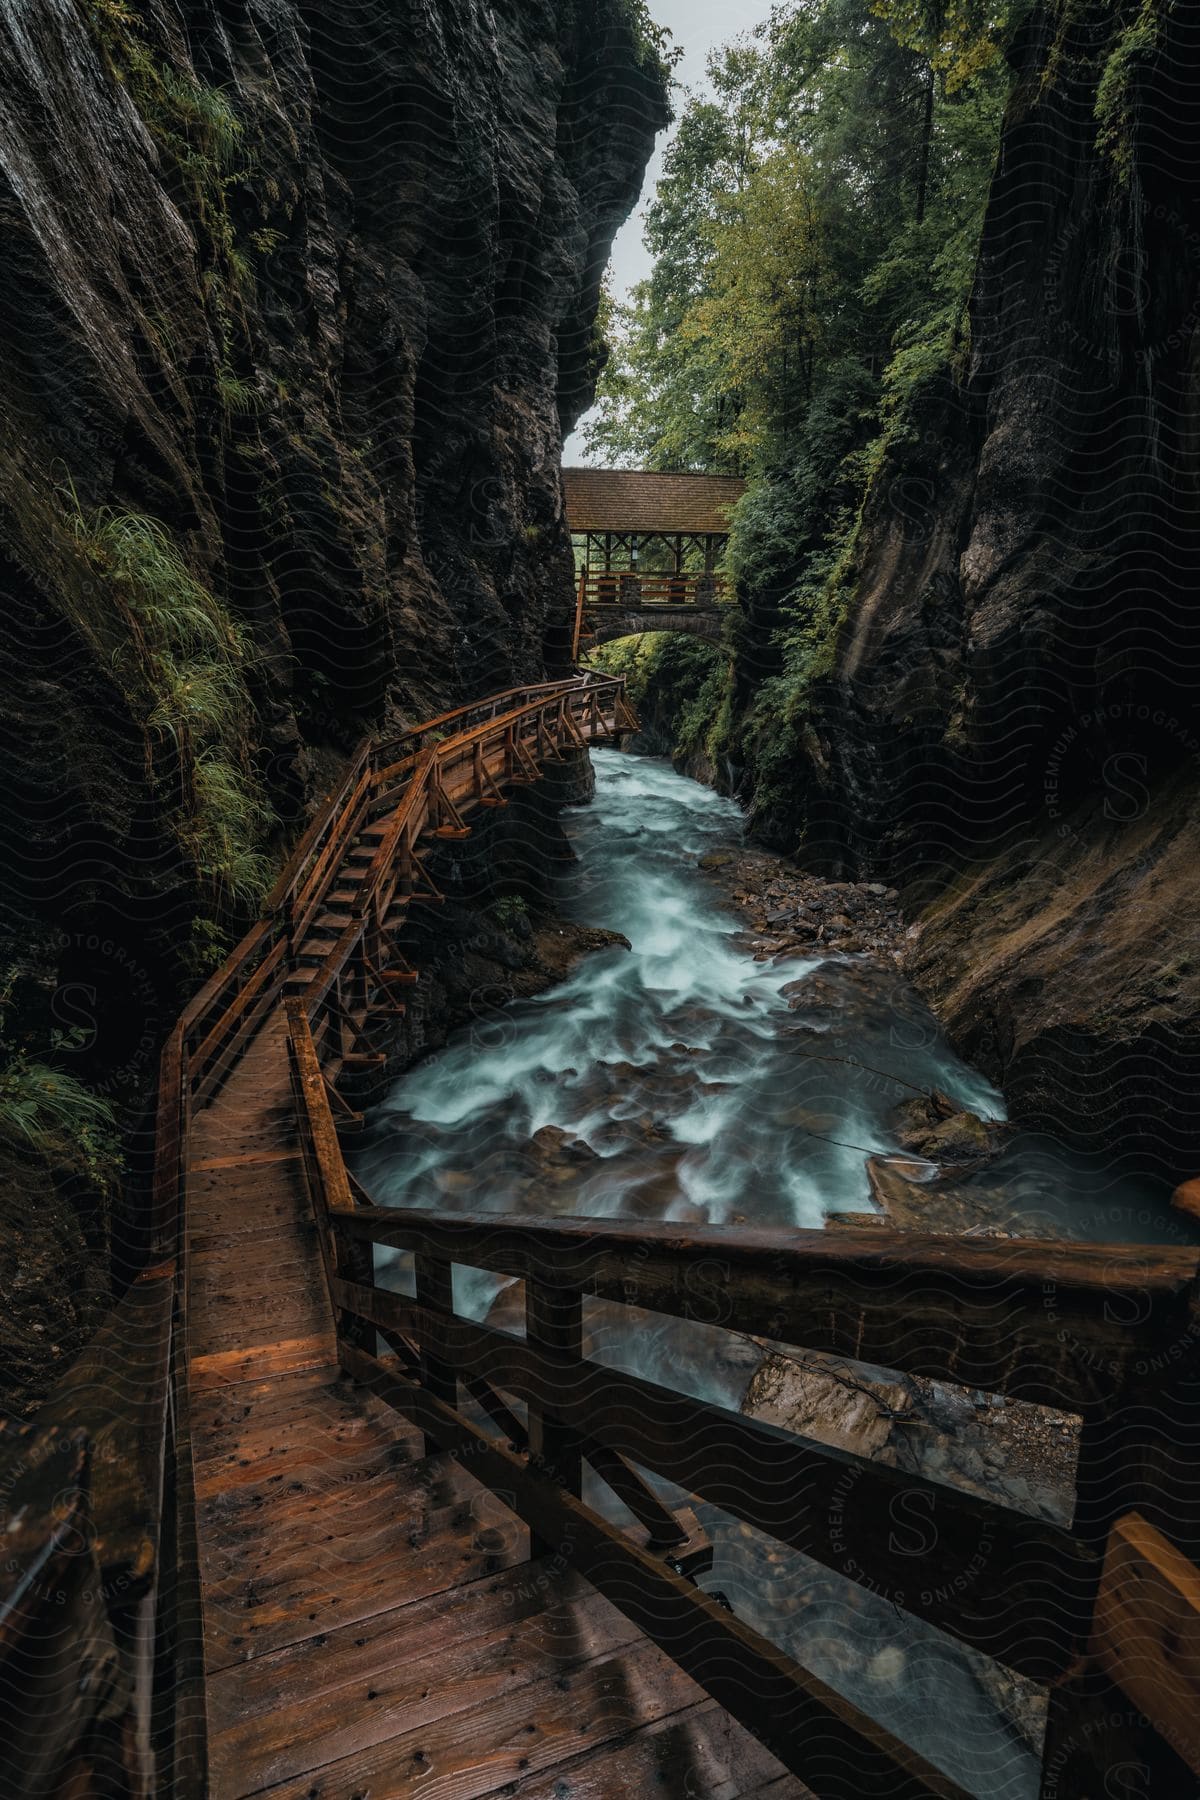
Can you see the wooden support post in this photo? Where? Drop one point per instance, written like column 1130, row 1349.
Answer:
column 435, row 1288
column 1147, row 1631
column 554, row 1321
column 1138, row 1455
column 579, row 604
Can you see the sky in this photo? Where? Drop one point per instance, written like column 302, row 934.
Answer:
column 698, row 26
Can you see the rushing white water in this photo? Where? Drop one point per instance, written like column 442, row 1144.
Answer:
column 707, row 1086
column 690, row 1082
column 683, row 1080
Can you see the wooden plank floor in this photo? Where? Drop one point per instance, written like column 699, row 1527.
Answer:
column 373, row 1625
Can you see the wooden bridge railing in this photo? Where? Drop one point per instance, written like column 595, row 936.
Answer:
column 1060, row 1325
column 634, row 591
column 127, row 1399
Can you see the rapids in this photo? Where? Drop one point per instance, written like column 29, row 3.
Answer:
column 684, row 1080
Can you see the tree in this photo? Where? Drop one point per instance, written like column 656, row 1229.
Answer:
column 815, row 235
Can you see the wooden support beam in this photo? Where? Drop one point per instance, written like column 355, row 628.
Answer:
column 554, row 1322
column 435, row 1288
column 1014, row 1587
column 1146, row 1635
column 498, row 1412
column 662, row 1527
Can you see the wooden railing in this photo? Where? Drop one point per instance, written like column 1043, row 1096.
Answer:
column 1058, row 1325
column 633, row 591
column 600, row 592
column 127, row 1400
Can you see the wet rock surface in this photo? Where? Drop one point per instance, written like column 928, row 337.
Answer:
column 54, row 1289
column 791, row 911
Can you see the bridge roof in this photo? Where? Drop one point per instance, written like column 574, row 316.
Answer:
column 635, row 500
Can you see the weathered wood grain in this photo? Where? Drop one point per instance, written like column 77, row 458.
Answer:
column 1147, row 1631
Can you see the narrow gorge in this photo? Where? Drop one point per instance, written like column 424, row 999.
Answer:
column 599, row 987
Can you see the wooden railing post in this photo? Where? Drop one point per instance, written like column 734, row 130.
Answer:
column 579, row 604
column 1138, row 1454
column 435, row 1288
column 554, row 1322
column 325, row 1171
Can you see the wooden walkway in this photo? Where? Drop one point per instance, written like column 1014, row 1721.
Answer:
column 247, row 1552
column 372, row 1622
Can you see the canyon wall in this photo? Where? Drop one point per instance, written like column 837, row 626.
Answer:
column 1010, row 730
column 297, row 303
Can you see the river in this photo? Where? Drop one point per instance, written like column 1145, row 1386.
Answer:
column 684, row 1080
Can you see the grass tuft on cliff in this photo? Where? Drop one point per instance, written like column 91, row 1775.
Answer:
column 182, row 659
column 56, row 1117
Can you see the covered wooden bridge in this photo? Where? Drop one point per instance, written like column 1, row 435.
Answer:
column 650, row 550
column 287, row 1531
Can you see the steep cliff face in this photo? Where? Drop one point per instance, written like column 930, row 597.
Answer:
column 1010, row 730
column 297, row 303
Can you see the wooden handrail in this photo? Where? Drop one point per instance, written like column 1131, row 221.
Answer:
column 1027, row 1601
column 1040, row 1321
column 1070, row 1325
column 631, row 589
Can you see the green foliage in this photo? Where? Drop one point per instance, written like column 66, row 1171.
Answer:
column 815, row 234
column 961, row 38
column 237, row 396
column 229, row 821
column 195, row 125
column 511, row 912
column 675, row 678
column 207, row 948
column 266, row 241
column 60, row 1119
column 656, row 47
column 182, row 660
column 54, row 1115
column 1116, row 96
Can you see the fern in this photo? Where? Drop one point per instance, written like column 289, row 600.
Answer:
column 60, row 1119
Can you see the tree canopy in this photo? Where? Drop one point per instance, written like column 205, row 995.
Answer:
column 814, row 237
